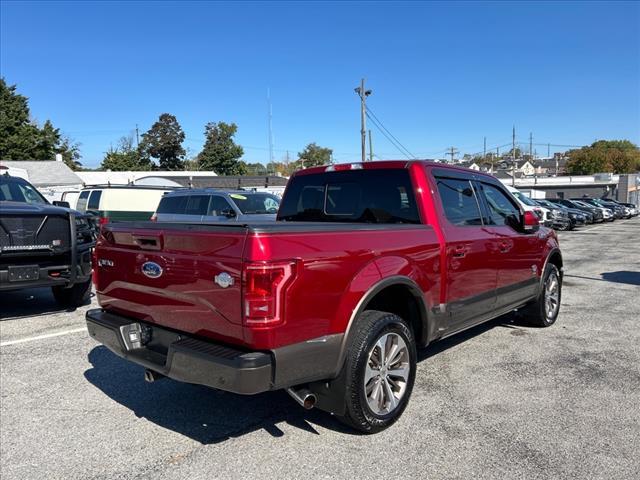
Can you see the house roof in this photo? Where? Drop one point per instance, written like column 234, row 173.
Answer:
column 45, row 173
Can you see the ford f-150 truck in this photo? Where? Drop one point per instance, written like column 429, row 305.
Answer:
column 365, row 264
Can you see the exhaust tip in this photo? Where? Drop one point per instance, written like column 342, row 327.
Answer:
column 306, row 398
column 150, row 376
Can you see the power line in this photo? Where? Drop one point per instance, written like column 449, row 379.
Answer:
column 398, row 146
column 385, row 131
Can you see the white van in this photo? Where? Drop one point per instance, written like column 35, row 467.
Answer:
column 120, row 203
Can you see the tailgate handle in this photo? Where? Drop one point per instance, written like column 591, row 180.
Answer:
column 147, row 243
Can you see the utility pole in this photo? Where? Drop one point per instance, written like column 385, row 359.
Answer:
column 270, row 125
column 484, row 151
column 363, row 94
column 370, row 147
column 137, row 136
column 531, row 147
column 548, row 150
column 513, row 157
column 452, row 151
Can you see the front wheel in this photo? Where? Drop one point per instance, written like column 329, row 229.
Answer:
column 380, row 370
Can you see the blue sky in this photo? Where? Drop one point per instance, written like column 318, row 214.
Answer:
column 442, row 74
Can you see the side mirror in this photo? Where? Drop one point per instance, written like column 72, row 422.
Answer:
column 228, row 212
column 530, row 222
column 515, row 222
column 60, row 203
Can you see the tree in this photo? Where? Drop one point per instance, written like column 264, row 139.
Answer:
column 616, row 156
column 70, row 152
column 22, row 139
column 256, row 168
column 163, row 142
column 125, row 157
column 220, row 153
column 314, row 155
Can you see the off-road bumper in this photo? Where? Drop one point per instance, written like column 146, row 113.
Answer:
column 62, row 274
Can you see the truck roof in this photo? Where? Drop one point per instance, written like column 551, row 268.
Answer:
column 396, row 164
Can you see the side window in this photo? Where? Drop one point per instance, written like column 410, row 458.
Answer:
column 94, row 200
column 218, row 204
column 173, row 205
column 499, row 205
column 459, row 201
column 81, row 206
column 196, row 205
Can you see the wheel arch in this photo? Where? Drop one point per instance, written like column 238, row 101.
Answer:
column 395, row 294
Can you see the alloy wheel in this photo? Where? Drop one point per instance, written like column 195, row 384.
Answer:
column 386, row 373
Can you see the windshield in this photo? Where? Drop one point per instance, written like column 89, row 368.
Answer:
column 18, row 190
column 524, row 199
column 256, row 203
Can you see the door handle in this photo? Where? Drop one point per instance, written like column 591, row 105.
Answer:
column 503, row 247
column 459, row 251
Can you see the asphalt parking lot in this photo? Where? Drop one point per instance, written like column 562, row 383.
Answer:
column 498, row 401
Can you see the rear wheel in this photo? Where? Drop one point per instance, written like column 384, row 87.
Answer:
column 74, row 296
column 380, row 370
column 544, row 311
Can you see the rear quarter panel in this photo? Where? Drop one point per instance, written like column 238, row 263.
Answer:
column 335, row 270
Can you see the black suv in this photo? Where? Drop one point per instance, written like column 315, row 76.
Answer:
column 43, row 245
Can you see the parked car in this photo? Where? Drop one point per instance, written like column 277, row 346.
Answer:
column 633, row 209
column 577, row 217
column 630, row 210
column 119, row 203
column 366, row 263
column 43, row 245
column 607, row 213
column 543, row 213
column 215, row 205
column 595, row 212
column 615, row 210
column 553, row 217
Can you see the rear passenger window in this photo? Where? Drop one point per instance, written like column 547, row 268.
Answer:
column 498, row 204
column 459, row 201
column 196, row 205
column 81, row 204
column 218, row 204
column 94, row 200
column 174, row 204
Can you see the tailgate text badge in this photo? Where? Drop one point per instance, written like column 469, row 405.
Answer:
column 224, row 279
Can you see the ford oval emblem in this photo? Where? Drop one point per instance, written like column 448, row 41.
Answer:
column 151, row 269
column 223, row 279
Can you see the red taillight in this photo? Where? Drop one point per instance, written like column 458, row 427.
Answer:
column 103, row 220
column 265, row 285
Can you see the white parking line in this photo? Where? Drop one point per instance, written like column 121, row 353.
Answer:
column 43, row 337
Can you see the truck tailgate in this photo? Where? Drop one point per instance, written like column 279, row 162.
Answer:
column 166, row 274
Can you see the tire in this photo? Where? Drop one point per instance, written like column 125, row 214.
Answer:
column 375, row 404
column 74, row 296
column 543, row 312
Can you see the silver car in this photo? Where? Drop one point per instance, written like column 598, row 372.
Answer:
column 215, row 205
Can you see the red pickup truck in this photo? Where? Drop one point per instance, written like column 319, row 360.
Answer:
column 366, row 263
